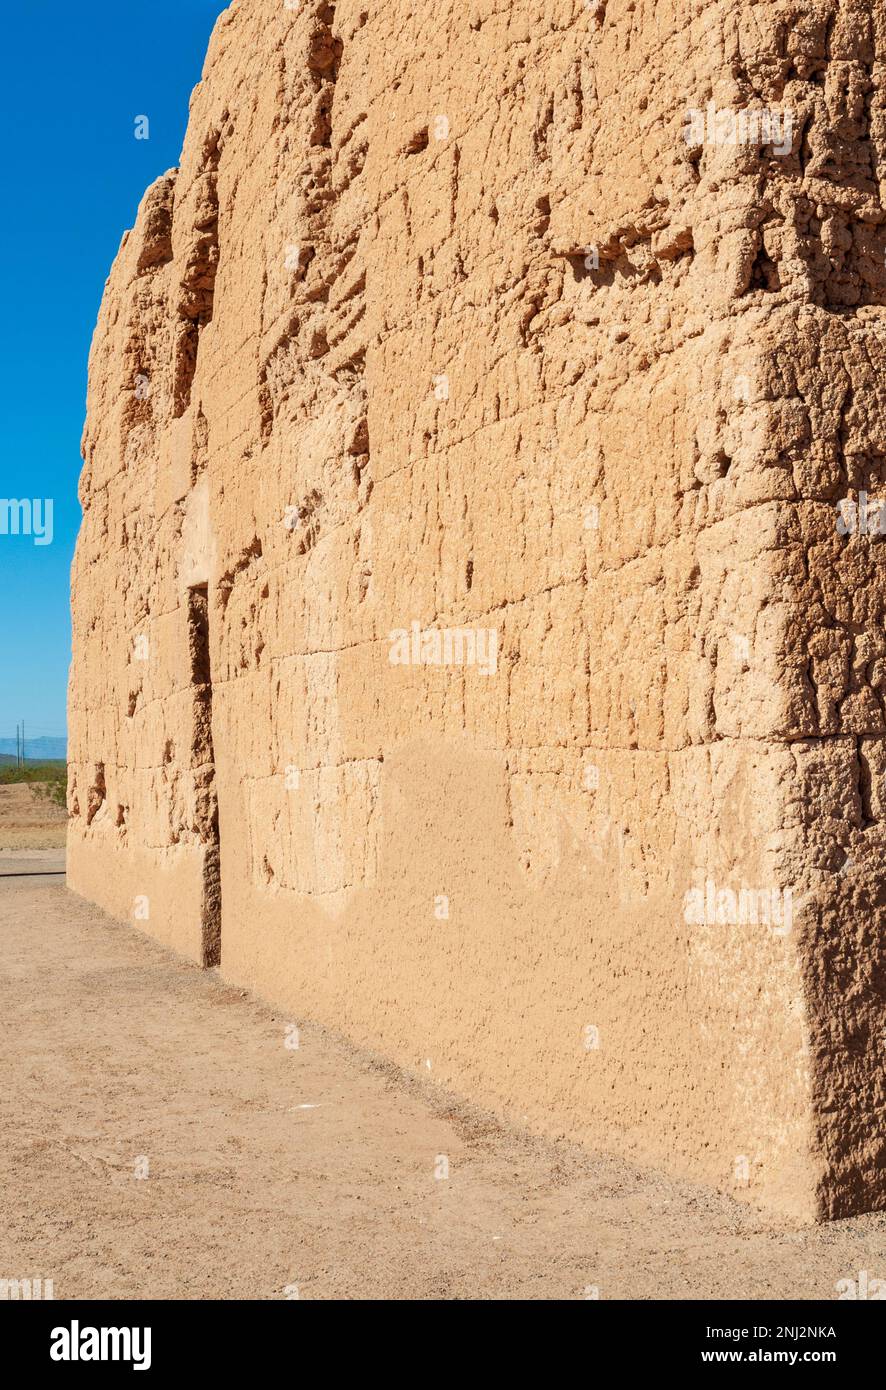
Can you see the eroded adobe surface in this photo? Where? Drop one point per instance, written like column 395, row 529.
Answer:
column 443, row 321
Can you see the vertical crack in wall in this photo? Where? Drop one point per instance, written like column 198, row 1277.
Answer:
column 197, row 286
column 203, row 765
column 319, row 330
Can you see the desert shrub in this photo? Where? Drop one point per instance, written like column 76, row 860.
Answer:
column 48, row 780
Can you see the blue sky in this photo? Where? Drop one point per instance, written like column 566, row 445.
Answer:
column 74, row 79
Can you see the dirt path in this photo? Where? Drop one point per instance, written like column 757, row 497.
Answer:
column 314, row 1167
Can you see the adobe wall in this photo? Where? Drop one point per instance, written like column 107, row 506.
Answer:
column 443, row 321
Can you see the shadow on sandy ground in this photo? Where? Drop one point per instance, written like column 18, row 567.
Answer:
column 159, row 1139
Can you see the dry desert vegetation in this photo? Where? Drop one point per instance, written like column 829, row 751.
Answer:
column 29, row 818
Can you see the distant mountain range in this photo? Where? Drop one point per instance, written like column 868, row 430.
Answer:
column 37, row 750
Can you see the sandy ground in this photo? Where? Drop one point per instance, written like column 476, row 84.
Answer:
column 314, row 1167
column 30, row 821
